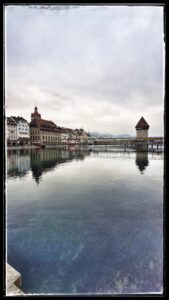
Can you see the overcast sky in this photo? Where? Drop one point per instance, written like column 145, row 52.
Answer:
column 94, row 67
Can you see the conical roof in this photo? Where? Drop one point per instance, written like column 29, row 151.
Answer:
column 142, row 124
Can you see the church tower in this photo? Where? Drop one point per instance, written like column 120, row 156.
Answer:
column 35, row 114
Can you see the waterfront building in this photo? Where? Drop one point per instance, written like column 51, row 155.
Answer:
column 142, row 128
column 11, row 130
column 72, row 137
column 65, row 134
column 42, row 131
column 47, row 132
column 81, row 136
column 23, row 135
column 64, row 137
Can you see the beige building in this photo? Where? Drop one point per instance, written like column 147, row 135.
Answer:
column 42, row 131
column 81, row 135
column 142, row 128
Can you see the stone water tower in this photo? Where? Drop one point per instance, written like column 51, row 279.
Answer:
column 142, row 128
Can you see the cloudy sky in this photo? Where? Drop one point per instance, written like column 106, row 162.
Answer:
column 96, row 67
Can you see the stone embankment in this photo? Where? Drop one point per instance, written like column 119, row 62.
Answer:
column 22, row 147
column 13, row 282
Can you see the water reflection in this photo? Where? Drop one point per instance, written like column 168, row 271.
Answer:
column 92, row 227
column 142, row 160
column 18, row 163
column 44, row 160
column 40, row 161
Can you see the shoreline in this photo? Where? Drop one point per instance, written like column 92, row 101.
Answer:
column 22, row 147
column 91, row 147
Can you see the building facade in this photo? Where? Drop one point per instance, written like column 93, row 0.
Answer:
column 82, row 136
column 23, row 134
column 142, row 128
column 42, row 131
column 64, row 135
column 72, row 137
column 11, row 130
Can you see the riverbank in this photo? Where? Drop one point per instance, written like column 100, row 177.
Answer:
column 22, row 147
column 62, row 147
column 89, row 147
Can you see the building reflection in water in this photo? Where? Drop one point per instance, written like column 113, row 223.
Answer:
column 18, row 163
column 44, row 160
column 40, row 161
column 142, row 160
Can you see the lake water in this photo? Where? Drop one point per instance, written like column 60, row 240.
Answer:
column 84, row 221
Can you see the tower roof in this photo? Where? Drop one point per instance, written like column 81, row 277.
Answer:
column 142, row 124
column 35, row 114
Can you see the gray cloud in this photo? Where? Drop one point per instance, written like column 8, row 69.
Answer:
column 100, row 67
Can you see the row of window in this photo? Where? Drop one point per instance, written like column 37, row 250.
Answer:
column 36, row 132
column 47, row 137
column 23, row 132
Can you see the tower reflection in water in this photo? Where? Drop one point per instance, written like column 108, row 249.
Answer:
column 142, row 161
column 40, row 161
column 43, row 161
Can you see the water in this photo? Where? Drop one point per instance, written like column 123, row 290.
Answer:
column 85, row 221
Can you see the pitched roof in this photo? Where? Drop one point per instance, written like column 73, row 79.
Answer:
column 17, row 119
column 142, row 124
column 44, row 124
column 11, row 121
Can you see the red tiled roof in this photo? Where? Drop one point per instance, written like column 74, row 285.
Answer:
column 43, row 124
column 142, row 124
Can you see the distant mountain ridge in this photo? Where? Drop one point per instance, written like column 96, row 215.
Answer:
column 109, row 135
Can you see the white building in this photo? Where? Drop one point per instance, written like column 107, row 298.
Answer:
column 23, row 132
column 64, row 135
